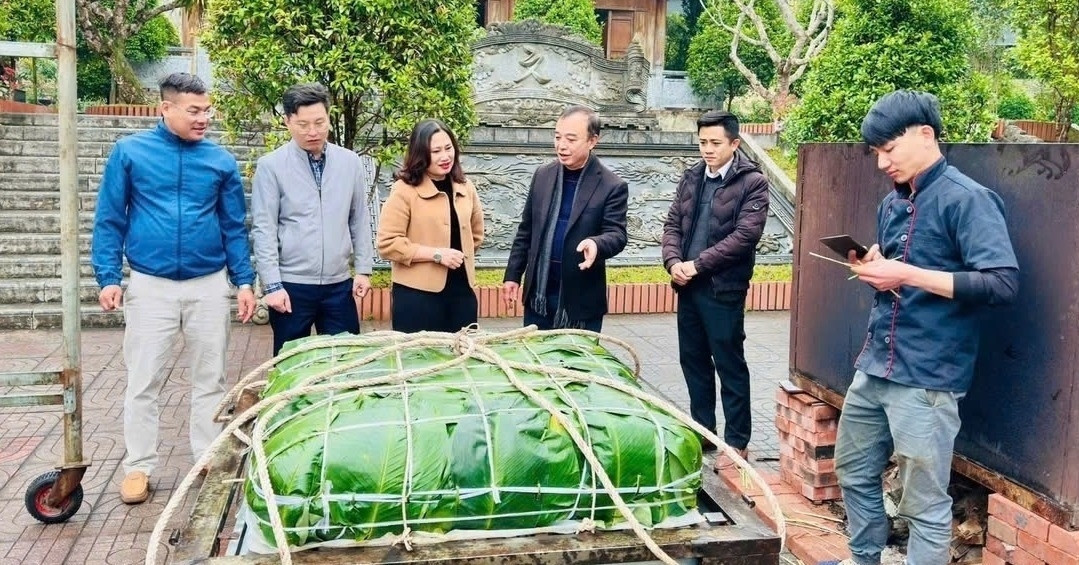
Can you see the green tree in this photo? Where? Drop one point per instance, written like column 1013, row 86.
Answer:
column 107, row 26
column 35, row 21
column 577, row 15
column 678, row 38
column 990, row 19
column 1048, row 48
column 382, row 63
column 28, row 20
column 712, row 75
column 883, row 45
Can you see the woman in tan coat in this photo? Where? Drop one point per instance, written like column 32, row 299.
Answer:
column 429, row 229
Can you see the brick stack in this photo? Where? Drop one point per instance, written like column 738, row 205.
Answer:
column 1018, row 536
column 807, row 432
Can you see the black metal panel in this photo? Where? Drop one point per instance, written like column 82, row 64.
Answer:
column 1021, row 417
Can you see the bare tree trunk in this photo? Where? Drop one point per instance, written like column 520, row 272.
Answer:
column 782, row 101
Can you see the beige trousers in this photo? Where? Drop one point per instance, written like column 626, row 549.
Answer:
column 155, row 311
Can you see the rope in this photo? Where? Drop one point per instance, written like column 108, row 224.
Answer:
column 468, row 344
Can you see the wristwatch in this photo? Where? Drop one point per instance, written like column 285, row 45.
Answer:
column 438, row 256
column 245, row 287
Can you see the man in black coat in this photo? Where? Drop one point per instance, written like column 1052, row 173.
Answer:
column 574, row 219
column 709, row 247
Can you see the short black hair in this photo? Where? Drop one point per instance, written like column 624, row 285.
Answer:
column 896, row 111
column 719, row 118
column 593, row 117
column 300, row 95
column 181, row 83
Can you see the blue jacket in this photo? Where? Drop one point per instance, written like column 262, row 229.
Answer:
column 175, row 208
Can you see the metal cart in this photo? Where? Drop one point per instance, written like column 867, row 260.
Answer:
column 57, row 495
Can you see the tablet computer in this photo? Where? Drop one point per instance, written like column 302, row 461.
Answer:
column 844, row 244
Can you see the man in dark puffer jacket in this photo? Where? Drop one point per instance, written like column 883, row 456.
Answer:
column 709, row 243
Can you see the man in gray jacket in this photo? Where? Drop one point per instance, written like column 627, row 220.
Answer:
column 309, row 203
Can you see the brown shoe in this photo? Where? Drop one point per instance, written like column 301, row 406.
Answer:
column 136, row 488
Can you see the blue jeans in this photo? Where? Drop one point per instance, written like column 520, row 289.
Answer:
column 919, row 425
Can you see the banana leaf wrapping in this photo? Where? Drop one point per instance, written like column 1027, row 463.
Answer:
column 462, row 448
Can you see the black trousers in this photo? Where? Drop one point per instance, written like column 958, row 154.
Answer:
column 329, row 307
column 547, row 322
column 711, row 337
column 453, row 308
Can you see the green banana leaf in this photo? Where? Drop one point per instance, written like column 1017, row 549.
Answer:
column 477, row 454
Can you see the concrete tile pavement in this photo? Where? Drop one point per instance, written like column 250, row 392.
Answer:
column 107, row 531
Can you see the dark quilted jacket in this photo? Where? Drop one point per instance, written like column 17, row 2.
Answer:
column 739, row 211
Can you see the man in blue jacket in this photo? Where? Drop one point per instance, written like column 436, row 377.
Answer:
column 172, row 202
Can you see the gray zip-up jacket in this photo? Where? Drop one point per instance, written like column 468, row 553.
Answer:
column 303, row 234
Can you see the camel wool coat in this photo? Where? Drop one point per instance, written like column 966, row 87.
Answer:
column 420, row 215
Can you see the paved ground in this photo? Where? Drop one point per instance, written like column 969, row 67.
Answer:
column 107, row 531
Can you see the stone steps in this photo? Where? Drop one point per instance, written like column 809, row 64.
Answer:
column 46, row 164
column 50, row 316
column 43, row 290
column 21, row 244
column 44, row 182
column 42, row 201
column 38, row 266
column 37, row 221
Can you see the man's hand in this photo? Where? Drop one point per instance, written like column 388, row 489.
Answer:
column 361, row 285
column 590, row 251
column 682, row 273
column 872, row 255
column 111, row 297
column 245, row 304
column 279, row 301
column 883, row 274
column 509, row 293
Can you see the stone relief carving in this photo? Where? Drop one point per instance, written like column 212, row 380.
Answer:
column 525, row 71
column 502, row 181
column 1044, row 160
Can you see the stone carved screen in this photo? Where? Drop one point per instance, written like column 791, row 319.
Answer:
column 525, row 73
column 502, row 178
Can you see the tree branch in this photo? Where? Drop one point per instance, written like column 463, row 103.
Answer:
column 141, row 17
column 717, row 18
column 747, row 11
column 754, row 81
column 790, row 20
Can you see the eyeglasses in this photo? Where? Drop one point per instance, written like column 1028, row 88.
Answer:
column 317, row 127
column 195, row 113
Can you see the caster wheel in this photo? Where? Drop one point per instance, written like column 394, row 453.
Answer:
column 37, row 495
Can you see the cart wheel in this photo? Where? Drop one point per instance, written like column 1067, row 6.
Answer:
column 37, row 495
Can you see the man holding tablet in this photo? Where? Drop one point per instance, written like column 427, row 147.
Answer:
column 948, row 256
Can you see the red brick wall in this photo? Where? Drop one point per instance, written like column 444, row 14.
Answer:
column 650, row 298
column 136, row 110
column 1018, row 536
column 10, row 106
